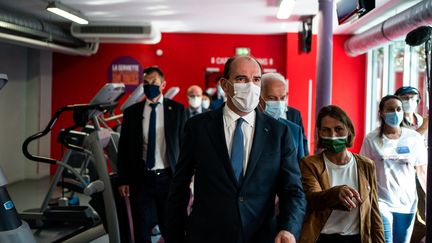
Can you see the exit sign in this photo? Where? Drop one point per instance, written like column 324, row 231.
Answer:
column 242, row 51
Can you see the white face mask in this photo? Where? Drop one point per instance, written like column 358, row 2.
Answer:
column 246, row 96
column 195, row 101
column 409, row 106
column 205, row 104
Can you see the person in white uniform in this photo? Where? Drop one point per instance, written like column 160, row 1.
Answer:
column 399, row 154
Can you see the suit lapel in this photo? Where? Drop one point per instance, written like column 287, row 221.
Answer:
column 169, row 122
column 216, row 133
column 139, row 124
column 137, row 127
column 168, row 116
column 324, row 178
column 363, row 182
column 363, row 185
column 261, row 131
column 187, row 113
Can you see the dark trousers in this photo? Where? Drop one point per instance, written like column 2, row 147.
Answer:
column 337, row 238
column 149, row 197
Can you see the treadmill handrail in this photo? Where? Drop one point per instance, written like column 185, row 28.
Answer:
column 50, row 125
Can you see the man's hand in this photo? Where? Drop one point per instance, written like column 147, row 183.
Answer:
column 285, row 237
column 124, row 190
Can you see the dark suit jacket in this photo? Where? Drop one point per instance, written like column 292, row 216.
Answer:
column 297, row 136
column 188, row 112
column 216, row 103
column 223, row 209
column 130, row 151
column 294, row 115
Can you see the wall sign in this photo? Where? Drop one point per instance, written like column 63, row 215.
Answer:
column 125, row 70
column 264, row 61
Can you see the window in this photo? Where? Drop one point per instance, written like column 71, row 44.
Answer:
column 390, row 67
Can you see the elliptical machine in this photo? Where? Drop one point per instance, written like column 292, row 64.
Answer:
column 104, row 100
column 12, row 228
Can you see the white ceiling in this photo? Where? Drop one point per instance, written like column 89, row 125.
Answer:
column 216, row 16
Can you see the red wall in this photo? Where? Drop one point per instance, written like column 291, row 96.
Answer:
column 300, row 69
column 349, row 87
column 348, row 84
column 184, row 61
column 186, row 56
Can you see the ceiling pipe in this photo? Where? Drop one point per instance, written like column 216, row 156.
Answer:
column 390, row 29
column 13, row 39
column 32, row 32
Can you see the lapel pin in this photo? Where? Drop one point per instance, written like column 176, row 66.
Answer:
column 169, row 108
column 266, row 129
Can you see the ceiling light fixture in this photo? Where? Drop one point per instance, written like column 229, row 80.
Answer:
column 66, row 12
column 285, row 9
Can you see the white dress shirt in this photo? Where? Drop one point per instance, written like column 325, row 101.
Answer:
column 160, row 149
column 343, row 222
column 230, row 121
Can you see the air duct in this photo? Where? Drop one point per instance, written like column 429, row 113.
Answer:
column 144, row 33
column 88, row 50
column 32, row 32
column 391, row 29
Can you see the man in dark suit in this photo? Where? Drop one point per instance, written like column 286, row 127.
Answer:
column 274, row 89
column 292, row 114
column 148, row 151
column 241, row 160
column 195, row 98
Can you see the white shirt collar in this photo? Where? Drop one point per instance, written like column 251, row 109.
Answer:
column 160, row 100
column 231, row 117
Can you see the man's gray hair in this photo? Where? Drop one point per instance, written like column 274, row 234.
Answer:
column 273, row 76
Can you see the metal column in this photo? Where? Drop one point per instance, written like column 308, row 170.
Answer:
column 324, row 54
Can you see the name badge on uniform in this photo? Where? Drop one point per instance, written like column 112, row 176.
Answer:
column 402, row 150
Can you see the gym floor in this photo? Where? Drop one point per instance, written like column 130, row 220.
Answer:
column 30, row 194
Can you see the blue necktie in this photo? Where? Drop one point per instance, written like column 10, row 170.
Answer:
column 237, row 150
column 151, row 138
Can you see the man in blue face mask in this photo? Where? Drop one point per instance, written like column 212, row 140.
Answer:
column 273, row 102
column 148, row 151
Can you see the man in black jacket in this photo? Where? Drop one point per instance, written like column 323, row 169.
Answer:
column 148, row 151
column 241, row 160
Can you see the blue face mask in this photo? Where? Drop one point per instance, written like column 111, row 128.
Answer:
column 275, row 109
column 151, row 91
column 393, row 119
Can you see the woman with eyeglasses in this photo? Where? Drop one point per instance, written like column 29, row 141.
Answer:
column 399, row 154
